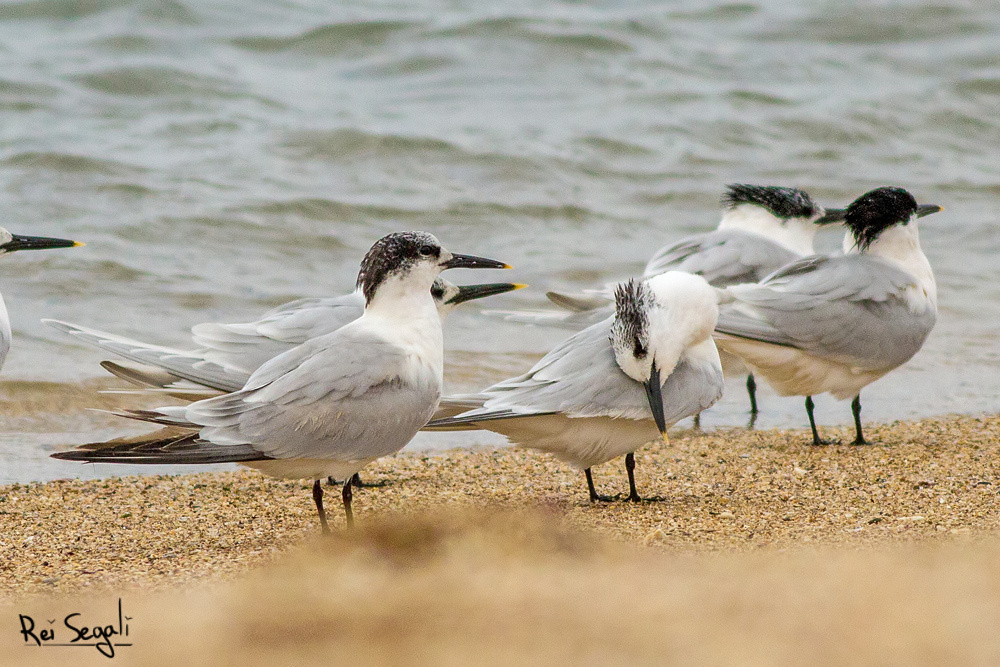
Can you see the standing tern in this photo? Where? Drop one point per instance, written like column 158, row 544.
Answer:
column 763, row 228
column 333, row 404
column 837, row 324
column 12, row 243
column 616, row 385
column 236, row 350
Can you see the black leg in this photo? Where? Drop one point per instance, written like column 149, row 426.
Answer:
column 697, row 420
column 348, row 495
column 633, row 495
column 318, row 498
column 358, row 484
column 812, row 422
column 856, row 409
column 752, row 390
column 594, row 495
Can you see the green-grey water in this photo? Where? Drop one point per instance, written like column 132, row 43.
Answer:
column 222, row 157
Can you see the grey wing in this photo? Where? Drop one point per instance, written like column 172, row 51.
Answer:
column 852, row 309
column 579, row 378
column 723, row 257
column 694, row 385
column 183, row 364
column 248, row 345
column 338, row 397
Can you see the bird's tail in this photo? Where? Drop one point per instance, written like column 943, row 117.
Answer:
column 170, row 445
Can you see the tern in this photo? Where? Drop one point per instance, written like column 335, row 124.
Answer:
column 333, row 404
column 763, row 228
column 837, row 324
column 615, row 386
column 12, row 243
column 234, row 351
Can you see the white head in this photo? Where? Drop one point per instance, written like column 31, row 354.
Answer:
column 787, row 216
column 447, row 294
column 405, row 264
column 656, row 321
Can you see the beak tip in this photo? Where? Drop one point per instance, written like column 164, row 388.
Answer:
column 78, row 244
column 518, row 286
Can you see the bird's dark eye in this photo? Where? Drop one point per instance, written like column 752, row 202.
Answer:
column 640, row 349
column 426, row 250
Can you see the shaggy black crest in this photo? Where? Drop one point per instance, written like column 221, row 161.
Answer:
column 874, row 212
column 394, row 254
column 783, row 203
column 631, row 325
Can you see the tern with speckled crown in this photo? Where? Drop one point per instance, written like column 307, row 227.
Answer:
column 615, row 386
column 333, row 404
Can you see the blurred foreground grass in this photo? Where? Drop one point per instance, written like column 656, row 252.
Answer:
column 471, row 587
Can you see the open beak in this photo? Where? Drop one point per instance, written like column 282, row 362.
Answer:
column 655, row 398
column 470, row 292
column 36, row 243
column 832, row 216
column 927, row 209
column 473, row 262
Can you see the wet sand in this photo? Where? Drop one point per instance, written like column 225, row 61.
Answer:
column 758, row 539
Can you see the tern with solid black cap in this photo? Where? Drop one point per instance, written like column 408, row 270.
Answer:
column 837, row 324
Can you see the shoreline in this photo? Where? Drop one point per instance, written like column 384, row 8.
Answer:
column 733, row 491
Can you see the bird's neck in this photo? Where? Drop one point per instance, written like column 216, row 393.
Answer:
column 900, row 246
column 404, row 312
column 795, row 234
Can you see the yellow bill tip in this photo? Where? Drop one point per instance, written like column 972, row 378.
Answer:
column 519, row 286
column 78, row 244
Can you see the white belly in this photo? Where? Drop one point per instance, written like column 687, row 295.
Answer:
column 308, row 468
column 792, row 372
column 580, row 441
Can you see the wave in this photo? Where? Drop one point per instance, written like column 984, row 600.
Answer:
column 330, row 39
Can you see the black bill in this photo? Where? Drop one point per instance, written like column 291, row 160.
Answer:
column 832, row 216
column 470, row 292
column 655, row 397
column 36, row 243
column 927, row 209
column 473, row 262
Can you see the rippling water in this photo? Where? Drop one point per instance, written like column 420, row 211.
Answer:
column 220, row 158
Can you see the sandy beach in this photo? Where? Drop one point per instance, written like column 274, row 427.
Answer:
column 787, row 542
